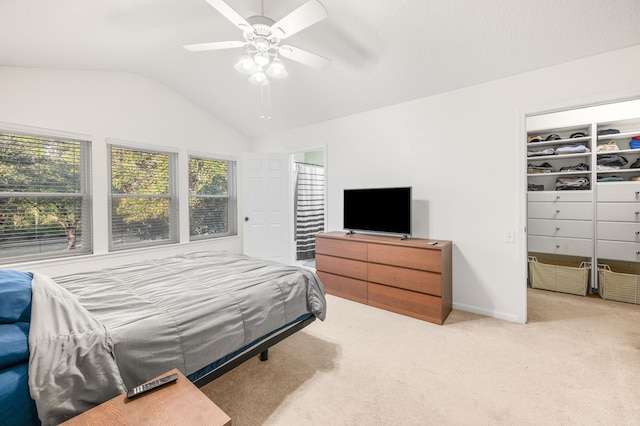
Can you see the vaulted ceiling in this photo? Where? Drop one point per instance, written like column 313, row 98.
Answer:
column 383, row 52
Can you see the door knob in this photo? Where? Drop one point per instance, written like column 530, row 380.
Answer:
column 246, row 218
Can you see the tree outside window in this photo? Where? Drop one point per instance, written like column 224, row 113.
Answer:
column 44, row 197
column 143, row 198
column 212, row 198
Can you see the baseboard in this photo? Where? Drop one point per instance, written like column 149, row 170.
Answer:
column 485, row 312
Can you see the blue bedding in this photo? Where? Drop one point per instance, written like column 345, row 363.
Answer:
column 16, row 405
column 15, row 296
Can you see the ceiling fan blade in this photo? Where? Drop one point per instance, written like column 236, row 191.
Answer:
column 216, row 45
column 233, row 16
column 304, row 57
column 306, row 15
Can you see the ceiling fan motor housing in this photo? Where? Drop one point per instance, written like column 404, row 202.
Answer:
column 260, row 38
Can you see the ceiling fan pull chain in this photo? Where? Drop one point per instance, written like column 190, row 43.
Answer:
column 265, row 103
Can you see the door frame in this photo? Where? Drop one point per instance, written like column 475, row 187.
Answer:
column 523, row 113
column 292, row 188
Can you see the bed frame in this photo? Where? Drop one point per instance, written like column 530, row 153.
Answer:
column 259, row 348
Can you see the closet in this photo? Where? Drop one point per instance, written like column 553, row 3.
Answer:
column 583, row 200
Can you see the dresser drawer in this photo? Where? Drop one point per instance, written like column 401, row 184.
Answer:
column 564, row 211
column 560, row 196
column 407, row 302
column 619, row 231
column 619, row 192
column 409, row 279
column 567, row 246
column 619, row 212
column 343, row 248
column 560, row 228
column 406, row 257
column 617, row 250
column 340, row 266
column 345, row 287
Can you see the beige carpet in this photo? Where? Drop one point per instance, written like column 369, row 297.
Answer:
column 577, row 362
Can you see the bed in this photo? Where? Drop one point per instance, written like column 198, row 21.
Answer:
column 93, row 335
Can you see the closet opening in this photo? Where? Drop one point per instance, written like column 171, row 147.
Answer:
column 583, row 201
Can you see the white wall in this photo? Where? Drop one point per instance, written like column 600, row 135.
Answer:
column 119, row 106
column 463, row 153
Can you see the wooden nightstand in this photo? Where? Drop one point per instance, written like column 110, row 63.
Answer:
column 180, row 403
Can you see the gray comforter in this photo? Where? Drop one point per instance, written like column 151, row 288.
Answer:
column 180, row 312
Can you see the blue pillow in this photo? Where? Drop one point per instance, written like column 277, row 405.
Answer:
column 14, row 343
column 15, row 296
column 16, row 406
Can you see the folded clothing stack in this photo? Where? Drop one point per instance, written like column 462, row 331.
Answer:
column 611, row 162
column 542, row 168
column 535, row 187
column 608, row 132
column 548, row 151
column 634, row 143
column 582, row 167
column 572, row 149
column 608, row 147
column 572, row 183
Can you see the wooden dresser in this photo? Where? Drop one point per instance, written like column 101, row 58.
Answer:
column 408, row 277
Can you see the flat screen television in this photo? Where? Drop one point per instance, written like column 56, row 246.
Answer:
column 384, row 210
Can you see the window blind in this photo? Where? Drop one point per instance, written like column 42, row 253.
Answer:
column 212, row 198
column 45, row 205
column 144, row 205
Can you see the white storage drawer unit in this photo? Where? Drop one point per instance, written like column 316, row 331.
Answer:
column 560, row 196
column 619, row 192
column 560, row 228
column 564, row 211
column 565, row 246
column 619, row 231
column 618, row 250
column 619, row 212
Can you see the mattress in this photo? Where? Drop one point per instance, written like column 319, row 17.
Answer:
column 184, row 311
column 189, row 310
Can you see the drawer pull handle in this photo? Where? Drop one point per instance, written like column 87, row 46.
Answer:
column 558, row 197
column 637, row 212
column 637, row 232
column 558, row 211
column 557, row 228
column 637, row 193
column 557, row 245
column 638, row 252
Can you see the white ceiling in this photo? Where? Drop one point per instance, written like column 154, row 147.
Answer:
column 383, row 51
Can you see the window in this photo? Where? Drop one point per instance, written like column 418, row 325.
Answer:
column 212, row 198
column 144, row 203
column 45, row 205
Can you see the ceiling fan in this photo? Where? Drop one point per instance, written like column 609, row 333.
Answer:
column 262, row 37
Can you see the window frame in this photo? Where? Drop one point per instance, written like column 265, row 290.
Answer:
column 232, row 195
column 172, row 195
column 84, row 194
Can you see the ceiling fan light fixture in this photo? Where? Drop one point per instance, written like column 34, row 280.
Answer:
column 261, row 59
column 259, row 78
column 245, row 65
column 277, row 70
column 261, row 44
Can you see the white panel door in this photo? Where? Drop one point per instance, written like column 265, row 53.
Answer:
column 267, row 209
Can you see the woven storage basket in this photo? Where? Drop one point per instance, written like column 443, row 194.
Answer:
column 565, row 279
column 618, row 286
